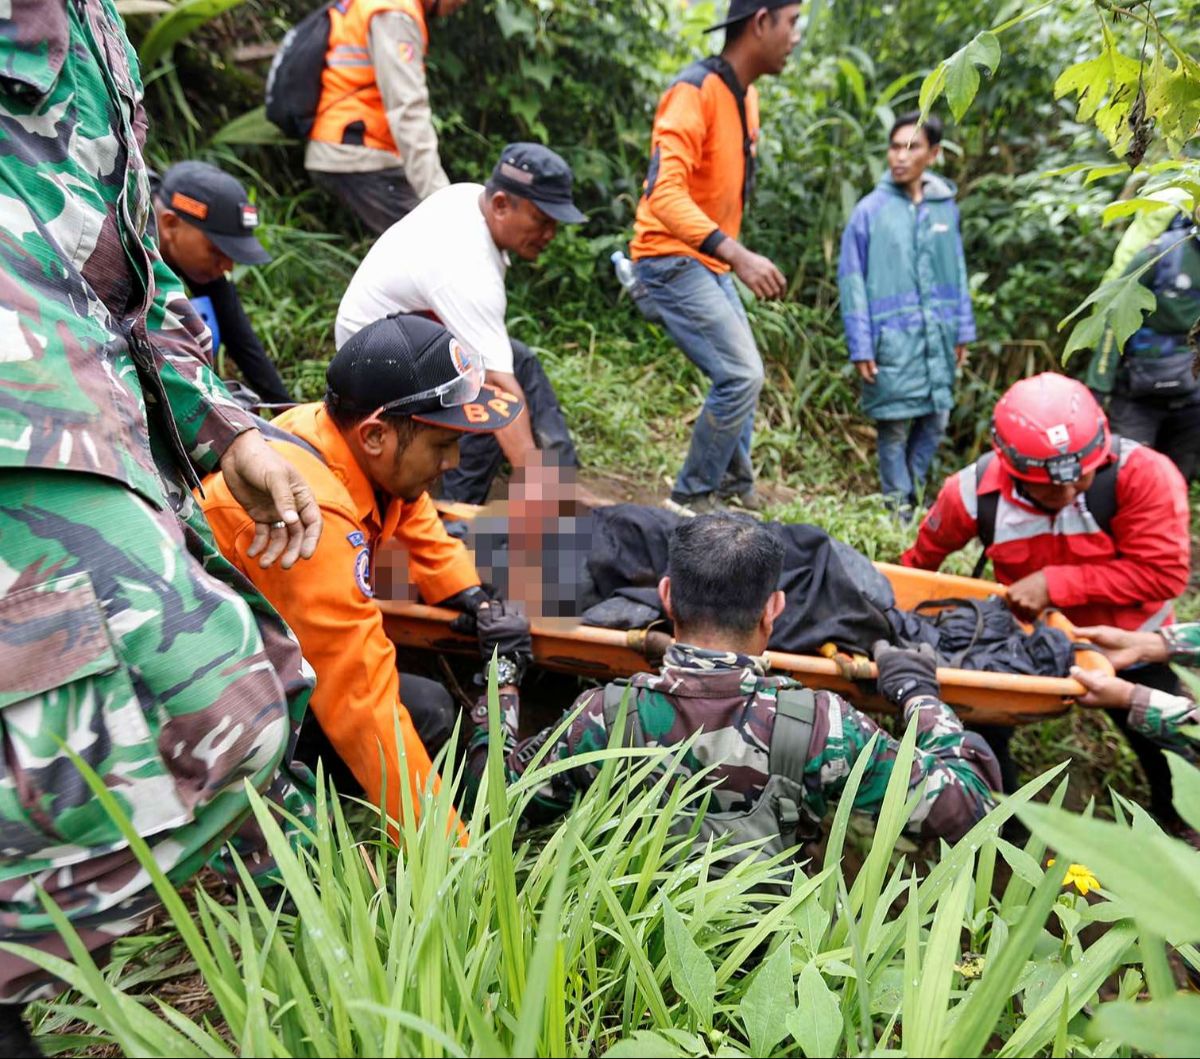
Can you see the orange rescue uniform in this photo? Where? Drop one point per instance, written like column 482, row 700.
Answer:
column 327, row 599
column 350, row 96
column 702, row 152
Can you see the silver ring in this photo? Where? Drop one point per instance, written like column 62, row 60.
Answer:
column 279, row 525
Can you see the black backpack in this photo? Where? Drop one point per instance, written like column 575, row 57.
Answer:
column 294, row 81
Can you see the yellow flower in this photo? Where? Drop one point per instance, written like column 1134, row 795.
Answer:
column 1080, row 876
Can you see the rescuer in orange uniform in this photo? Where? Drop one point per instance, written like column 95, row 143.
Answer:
column 685, row 243
column 399, row 395
column 373, row 144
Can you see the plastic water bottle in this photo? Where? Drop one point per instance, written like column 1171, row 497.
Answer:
column 634, row 287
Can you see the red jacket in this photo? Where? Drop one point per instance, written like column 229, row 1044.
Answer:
column 1128, row 579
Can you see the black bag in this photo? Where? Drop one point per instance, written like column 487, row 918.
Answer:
column 294, row 81
column 1168, row 377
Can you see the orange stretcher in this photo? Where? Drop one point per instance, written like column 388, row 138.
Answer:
column 605, row 654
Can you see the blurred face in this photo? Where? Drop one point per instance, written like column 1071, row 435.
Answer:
column 442, row 8
column 189, row 251
column 519, row 226
column 779, row 35
column 405, row 459
column 909, row 154
column 1057, row 497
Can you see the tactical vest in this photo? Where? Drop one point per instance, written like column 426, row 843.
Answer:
column 780, row 820
column 352, row 110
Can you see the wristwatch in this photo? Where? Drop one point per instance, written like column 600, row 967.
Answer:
column 508, row 671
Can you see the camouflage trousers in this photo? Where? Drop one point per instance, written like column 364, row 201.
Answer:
column 125, row 636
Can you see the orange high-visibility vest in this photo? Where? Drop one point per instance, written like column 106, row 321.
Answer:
column 351, row 108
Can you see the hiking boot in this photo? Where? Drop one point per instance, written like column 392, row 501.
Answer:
column 751, row 501
column 691, row 506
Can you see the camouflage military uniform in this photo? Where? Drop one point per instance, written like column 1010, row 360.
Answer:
column 731, row 700
column 123, row 633
column 1161, row 716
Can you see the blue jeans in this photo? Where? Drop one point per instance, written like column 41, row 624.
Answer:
column 906, row 449
column 703, row 313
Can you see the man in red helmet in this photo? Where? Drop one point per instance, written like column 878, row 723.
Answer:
column 1074, row 518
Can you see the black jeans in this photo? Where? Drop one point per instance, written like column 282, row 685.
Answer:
column 1150, row 756
column 379, row 199
column 433, row 713
column 480, row 456
column 1171, row 427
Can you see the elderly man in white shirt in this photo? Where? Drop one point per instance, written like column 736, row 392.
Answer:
column 447, row 259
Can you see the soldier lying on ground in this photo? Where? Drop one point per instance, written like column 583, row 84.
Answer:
column 720, row 592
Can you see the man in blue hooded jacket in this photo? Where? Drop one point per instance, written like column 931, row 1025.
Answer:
column 905, row 305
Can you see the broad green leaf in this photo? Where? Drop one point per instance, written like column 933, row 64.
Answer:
column 958, row 75
column 1119, row 305
column 1141, row 204
column 1173, row 97
column 1118, row 857
column 1185, row 787
column 854, row 79
column 253, row 127
column 1075, row 988
column 768, row 1001
column 646, row 1043
column 184, row 18
column 692, row 973
column 817, row 1022
column 1101, row 171
column 1169, row 1027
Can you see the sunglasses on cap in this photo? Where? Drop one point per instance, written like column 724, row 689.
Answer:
column 460, row 390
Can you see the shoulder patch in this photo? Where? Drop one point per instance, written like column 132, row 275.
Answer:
column 356, row 539
column 362, row 573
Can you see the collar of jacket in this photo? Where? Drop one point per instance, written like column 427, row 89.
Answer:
column 38, row 33
column 719, row 66
column 937, row 187
column 704, row 660
column 312, row 423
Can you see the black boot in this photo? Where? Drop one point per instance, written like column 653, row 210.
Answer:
column 15, row 1040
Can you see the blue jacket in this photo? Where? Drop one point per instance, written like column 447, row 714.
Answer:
column 905, row 302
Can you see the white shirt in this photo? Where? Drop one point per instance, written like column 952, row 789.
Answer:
column 439, row 259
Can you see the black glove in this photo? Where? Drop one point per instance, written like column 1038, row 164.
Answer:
column 905, row 672
column 503, row 630
column 468, row 601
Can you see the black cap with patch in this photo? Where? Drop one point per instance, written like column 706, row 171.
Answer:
column 413, row 364
column 217, row 204
column 531, row 171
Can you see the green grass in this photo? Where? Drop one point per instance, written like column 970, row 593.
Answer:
column 609, row 935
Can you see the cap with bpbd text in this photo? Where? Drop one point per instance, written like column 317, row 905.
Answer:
column 218, row 205
column 409, row 359
column 534, row 172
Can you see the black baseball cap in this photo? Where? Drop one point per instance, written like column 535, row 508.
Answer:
column 531, row 171
column 740, row 10
column 218, row 205
column 409, row 365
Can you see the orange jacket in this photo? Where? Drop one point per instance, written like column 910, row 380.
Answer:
column 701, row 165
column 327, row 599
column 349, row 94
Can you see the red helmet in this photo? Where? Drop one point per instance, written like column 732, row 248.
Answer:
column 1049, row 428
